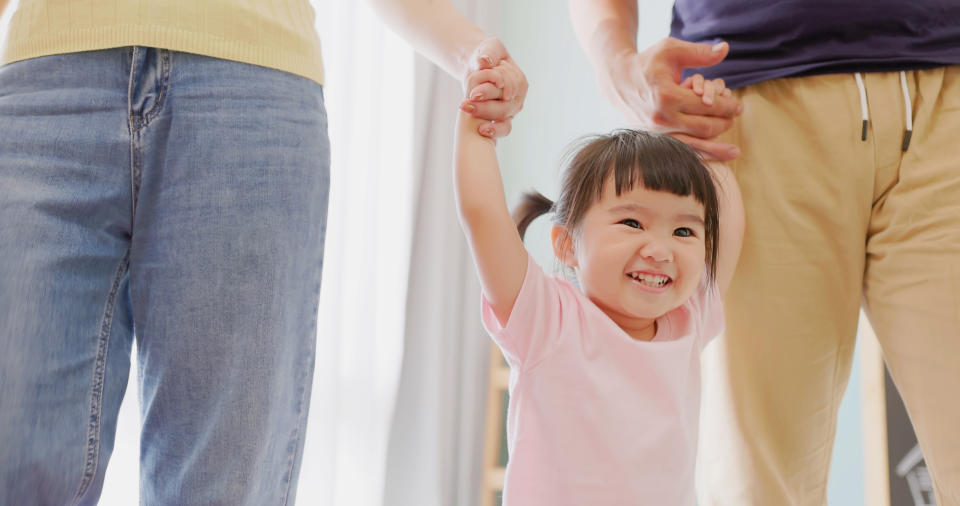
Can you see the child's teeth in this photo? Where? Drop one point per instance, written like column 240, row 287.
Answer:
column 650, row 280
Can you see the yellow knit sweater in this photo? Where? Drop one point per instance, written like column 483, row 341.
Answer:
column 272, row 33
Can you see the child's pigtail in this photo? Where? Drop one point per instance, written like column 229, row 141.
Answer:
column 532, row 205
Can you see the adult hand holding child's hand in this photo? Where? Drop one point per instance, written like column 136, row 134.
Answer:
column 646, row 87
column 496, row 88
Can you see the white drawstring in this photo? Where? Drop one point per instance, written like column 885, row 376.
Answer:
column 863, row 105
column 908, row 109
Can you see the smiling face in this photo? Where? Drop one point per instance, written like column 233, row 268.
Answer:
column 637, row 255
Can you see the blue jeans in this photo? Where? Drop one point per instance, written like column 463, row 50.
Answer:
column 182, row 200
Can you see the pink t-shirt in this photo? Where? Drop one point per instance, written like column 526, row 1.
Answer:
column 596, row 417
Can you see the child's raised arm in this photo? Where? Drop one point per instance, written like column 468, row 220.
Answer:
column 498, row 251
column 731, row 223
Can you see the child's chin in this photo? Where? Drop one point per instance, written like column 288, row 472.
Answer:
column 654, row 311
column 648, row 313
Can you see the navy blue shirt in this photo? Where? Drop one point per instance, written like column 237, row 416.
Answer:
column 777, row 38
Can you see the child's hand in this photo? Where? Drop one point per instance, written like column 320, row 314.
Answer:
column 495, row 93
column 707, row 90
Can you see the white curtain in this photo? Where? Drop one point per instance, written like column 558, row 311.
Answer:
column 398, row 285
column 368, row 93
column 436, row 438
column 397, row 412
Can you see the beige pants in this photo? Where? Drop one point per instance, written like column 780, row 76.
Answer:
column 834, row 222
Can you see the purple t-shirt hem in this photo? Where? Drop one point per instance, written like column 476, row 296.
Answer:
column 769, row 40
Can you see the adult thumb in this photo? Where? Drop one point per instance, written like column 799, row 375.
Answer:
column 691, row 54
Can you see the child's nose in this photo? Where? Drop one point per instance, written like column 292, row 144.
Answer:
column 656, row 250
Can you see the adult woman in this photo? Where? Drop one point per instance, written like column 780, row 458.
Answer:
column 164, row 167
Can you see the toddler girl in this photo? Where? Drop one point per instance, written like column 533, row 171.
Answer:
column 605, row 373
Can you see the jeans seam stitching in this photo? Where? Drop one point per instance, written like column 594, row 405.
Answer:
column 135, row 119
column 99, row 371
column 166, row 62
column 135, row 123
column 136, row 164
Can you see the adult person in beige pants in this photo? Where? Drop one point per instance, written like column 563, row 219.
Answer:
column 846, row 154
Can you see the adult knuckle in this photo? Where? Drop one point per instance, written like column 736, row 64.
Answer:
column 714, row 129
column 665, row 99
column 660, row 118
column 700, row 129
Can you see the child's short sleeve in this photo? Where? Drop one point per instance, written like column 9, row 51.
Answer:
column 706, row 308
column 534, row 322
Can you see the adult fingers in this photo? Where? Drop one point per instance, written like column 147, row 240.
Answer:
column 510, row 81
column 704, row 127
column 484, row 91
column 711, row 149
column 722, row 106
column 493, row 110
column 496, row 129
column 495, row 76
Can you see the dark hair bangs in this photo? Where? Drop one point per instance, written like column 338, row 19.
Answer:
column 659, row 163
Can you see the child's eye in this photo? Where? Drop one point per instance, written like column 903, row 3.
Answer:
column 683, row 232
column 631, row 223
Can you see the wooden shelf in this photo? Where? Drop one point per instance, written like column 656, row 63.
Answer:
column 497, row 384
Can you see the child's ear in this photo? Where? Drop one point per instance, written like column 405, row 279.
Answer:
column 562, row 241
